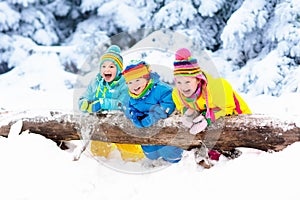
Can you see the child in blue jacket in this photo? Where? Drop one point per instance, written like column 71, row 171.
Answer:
column 108, row 91
column 150, row 100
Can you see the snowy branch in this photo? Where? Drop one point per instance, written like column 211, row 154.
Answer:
column 254, row 131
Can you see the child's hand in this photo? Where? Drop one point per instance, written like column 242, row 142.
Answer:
column 90, row 107
column 188, row 117
column 136, row 122
column 199, row 125
column 94, row 107
column 149, row 120
column 187, row 121
column 199, row 119
column 191, row 113
column 135, row 116
column 84, row 106
column 158, row 111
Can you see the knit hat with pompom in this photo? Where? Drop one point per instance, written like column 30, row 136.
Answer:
column 185, row 64
column 113, row 54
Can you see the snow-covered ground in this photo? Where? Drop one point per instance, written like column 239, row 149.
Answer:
column 34, row 168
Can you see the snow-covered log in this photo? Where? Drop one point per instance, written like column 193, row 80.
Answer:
column 254, row 131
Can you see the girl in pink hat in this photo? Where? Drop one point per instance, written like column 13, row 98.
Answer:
column 201, row 98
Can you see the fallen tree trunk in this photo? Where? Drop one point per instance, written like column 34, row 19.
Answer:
column 253, row 131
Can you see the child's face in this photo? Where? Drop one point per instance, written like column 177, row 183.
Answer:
column 108, row 71
column 186, row 85
column 136, row 86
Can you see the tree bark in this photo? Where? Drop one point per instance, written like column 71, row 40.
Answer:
column 253, row 131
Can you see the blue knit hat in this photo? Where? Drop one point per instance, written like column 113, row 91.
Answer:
column 113, row 54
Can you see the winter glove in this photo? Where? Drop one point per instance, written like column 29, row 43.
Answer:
column 199, row 125
column 188, row 117
column 187, row 121
column 84, row 105
column 94, row 107
column 149, row 120
column 136, row 117
column 158, row 112
column 137, row 123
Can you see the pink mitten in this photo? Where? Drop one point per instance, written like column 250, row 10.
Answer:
column 187, row 121
column 188, row 117
column 199, row 119
column 200, row 124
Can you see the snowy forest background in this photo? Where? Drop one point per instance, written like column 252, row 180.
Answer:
column 245, row 35
column 49, row 48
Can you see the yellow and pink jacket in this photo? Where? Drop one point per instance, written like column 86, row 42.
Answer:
column 218, row 94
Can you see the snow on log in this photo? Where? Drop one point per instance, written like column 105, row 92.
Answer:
column 254, row 131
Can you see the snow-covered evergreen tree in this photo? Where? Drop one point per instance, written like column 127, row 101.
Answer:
column 174, row 15
column 285, row 26
column 9, row 20
column 246, row 33
column 261, row 37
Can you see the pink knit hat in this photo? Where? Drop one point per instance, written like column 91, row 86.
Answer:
column 185, row 64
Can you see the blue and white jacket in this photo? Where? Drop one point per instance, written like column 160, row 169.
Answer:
column 111, row 96
column 154, row 105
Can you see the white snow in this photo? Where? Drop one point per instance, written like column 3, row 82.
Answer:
column 208, row 8
column 33, row 167
column 8, row 17
column 243, row 21
column 174, row 13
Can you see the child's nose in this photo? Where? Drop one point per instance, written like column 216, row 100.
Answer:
column 135, row 85
column 184, row 85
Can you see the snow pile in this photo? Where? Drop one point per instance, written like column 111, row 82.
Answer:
column 38, row 83
column 262, row 66
column 33, row 167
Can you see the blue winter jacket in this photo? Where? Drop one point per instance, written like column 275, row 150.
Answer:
column 156, row 104
column 112, row 96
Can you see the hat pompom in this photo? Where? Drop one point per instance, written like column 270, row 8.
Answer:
column 114, row 49
column 185, row 64
column 183, row 54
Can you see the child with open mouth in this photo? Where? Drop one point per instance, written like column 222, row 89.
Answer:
column 201, row 98
column 108, row 91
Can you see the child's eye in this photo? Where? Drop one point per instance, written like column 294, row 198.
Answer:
column 111, row 66
column 178, row 82
column 187, row 82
